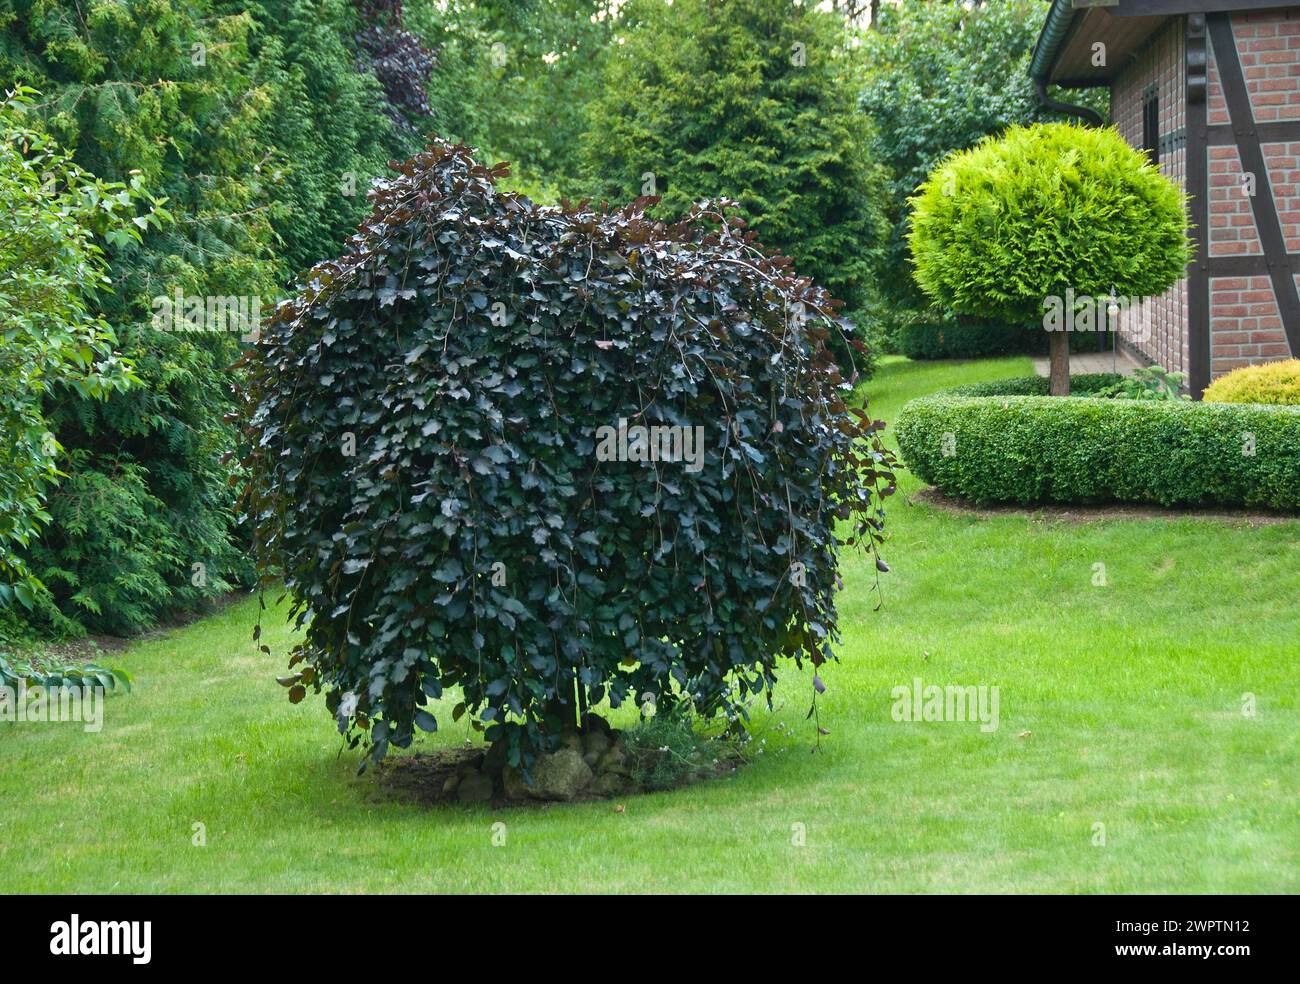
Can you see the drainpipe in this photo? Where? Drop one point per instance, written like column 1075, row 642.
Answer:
column 1089, row 116
column 1057, row 24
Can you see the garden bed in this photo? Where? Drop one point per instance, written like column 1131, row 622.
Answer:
column 599, row 763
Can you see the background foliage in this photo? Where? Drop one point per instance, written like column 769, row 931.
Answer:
column 247, row 118
column 144, row 500
column 515, row 80
column 52, row 264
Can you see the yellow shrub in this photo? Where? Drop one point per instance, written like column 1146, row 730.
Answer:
column 1268, row 382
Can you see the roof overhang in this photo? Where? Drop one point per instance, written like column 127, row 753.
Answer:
column 1064, row 56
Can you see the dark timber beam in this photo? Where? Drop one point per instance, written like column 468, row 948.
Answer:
column 1244, row 264
column 1283, row 131
column 1156, row 8
column 1198, row 192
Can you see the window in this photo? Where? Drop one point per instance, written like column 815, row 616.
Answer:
column 1151, row 123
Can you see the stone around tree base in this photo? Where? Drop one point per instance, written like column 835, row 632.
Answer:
column 475, row 788
column 560, row 775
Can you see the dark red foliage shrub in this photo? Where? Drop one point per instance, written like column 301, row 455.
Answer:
column 435, row 443
column 397, row 58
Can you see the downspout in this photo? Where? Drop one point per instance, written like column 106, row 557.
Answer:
column 1089, row 116
column 1060, row 17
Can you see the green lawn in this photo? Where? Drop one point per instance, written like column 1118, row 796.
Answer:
column 1119, row 705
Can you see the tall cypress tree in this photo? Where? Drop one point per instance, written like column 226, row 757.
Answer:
column 746, row 99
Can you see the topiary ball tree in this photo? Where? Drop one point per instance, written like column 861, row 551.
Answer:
column 545, row 458
column 1044, row 213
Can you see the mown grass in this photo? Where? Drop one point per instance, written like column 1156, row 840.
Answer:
column 1120, row 705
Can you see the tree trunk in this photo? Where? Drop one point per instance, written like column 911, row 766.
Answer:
column 1059, row 356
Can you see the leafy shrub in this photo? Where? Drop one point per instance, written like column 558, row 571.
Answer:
column 666, row 750
column 1150, row 383
column 1052, row 210
column 54, row 225
column 750, row 100
column 1032, row 449
column 428, row 473
column 1276, row 383
column 38, row 672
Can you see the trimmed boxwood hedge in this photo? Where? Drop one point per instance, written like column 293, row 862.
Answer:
column 962, row 340
column 1080, row 385
column 1039, row 449
column 939, row 339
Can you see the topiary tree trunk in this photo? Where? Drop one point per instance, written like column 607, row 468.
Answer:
column 1058, row 355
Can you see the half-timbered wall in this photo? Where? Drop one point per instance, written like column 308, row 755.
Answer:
column 1245, row 320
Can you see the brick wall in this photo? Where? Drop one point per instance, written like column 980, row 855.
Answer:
column 1245, row 324
column 1163, row 337
column 1232, row 220
column 1268, row 44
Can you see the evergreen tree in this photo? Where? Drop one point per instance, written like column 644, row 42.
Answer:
column 326, row 121
column 749, row 100
column 142, row 524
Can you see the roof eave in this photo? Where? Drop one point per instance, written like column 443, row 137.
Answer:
column 1060, row 18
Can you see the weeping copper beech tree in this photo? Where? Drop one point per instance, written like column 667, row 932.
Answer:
column 551, row 457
